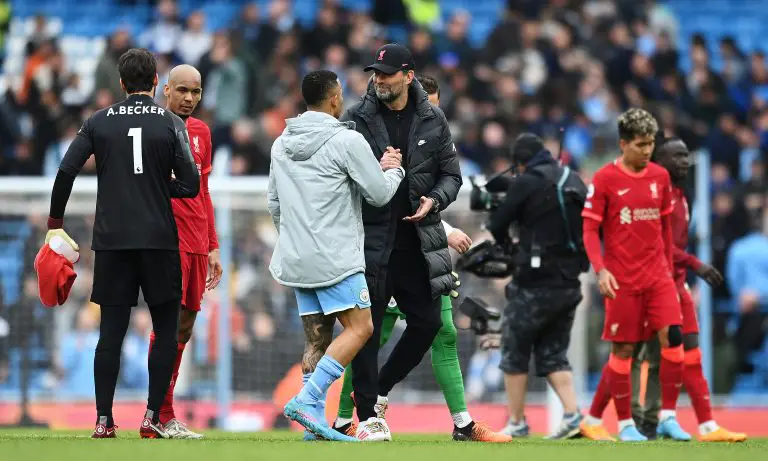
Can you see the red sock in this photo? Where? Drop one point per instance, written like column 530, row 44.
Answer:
column 671, row 376
column 602, row 395
column 166, row 411
column 621, row 386
column 696, row 385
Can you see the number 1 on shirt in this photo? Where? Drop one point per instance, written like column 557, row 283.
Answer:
column 138, row 163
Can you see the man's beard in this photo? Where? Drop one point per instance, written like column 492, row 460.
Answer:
column 387, row 96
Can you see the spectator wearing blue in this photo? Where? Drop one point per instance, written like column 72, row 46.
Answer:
column 747, row 276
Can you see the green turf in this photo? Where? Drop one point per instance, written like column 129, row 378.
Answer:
column 46, row 445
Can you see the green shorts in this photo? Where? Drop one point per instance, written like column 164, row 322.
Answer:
column 392, row 308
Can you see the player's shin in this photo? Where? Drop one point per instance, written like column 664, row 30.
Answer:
column 106, row 363
column 601, row 398
column 696, row 386
column 445, row 366
column 670, row 376
column 165, row 318
column 621, row 388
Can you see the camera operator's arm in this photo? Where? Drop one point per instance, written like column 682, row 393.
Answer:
column 507, row 213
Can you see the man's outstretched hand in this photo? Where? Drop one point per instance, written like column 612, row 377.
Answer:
column 425, row 206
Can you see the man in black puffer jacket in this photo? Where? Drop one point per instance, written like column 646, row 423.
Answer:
column 406, row 249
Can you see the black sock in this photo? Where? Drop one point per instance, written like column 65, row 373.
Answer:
column 106, row 362
column 165, row 324
column 467, row 430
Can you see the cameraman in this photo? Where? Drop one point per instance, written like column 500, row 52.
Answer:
column 546, row 201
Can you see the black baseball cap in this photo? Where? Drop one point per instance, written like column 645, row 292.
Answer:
column 525, row 147
column 392, row 58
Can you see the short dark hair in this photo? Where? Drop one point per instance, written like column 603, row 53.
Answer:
column 429, row 83
column 637, row 122
column 316, row 86
column 660, row 142
column 137, row 68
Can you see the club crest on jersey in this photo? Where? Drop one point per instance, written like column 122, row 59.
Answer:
column 614, row 329
column 654, row 190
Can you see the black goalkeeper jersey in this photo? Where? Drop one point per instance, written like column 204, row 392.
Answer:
column 143, row 159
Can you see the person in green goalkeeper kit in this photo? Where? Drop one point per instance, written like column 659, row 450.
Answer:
column 445, row 358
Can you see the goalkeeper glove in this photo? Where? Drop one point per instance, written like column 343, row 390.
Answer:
column 456, row 283
column 64, row 236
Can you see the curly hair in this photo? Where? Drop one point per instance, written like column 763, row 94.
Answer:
column 637, row 122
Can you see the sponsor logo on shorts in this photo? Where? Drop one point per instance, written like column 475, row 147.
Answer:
column 365, row 296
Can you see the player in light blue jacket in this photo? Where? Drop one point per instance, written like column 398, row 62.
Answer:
column 321, row 171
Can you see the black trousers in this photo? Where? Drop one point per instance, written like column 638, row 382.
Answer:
column 407, row 279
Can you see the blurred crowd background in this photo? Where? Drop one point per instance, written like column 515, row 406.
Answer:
column 504, row 67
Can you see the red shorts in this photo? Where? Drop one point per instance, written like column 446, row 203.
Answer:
column 633, row 315
column 690, row 319
column 194, row 271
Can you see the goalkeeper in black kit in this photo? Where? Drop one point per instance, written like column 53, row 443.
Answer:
column 142, row 159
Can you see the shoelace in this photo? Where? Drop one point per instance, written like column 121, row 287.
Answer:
column 376, row 427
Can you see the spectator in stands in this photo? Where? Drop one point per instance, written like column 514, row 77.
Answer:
column 164, row 33
column 734, row 61
column 195, row 41
column 454, row 40
column 225, row 87
column 747, row 276
column 56, row 150
column 106, row 75
column 327, row 31
column 41, row 33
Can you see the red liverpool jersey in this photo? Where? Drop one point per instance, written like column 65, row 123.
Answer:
column 680, row 220
column 194, row 216
column 630, row 207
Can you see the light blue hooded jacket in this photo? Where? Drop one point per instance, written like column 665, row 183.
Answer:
column 321, row 171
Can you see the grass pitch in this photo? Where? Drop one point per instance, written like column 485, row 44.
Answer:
column 45, row 445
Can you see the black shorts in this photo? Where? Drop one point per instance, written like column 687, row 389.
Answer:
column 538, row 322
column 118, row 275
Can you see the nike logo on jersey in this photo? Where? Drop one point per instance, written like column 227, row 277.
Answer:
column 421, row 142
column 622, row 192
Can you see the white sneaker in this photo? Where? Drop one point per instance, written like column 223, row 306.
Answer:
column 178, row 430
column 373, row 430
column 381, row 407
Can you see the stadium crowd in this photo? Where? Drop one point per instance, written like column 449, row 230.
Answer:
column 547, row 64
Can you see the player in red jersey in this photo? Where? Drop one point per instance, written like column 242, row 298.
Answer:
column 631, row 199
column 198, row 245
column 672, row 154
